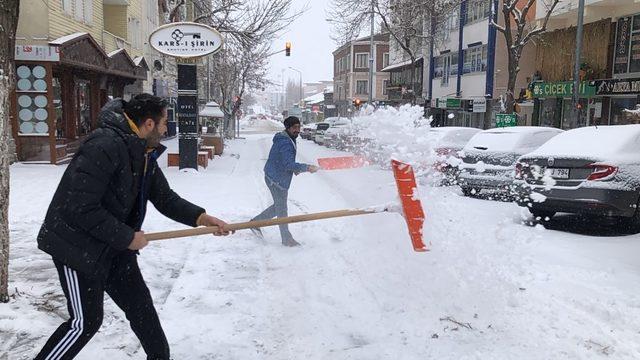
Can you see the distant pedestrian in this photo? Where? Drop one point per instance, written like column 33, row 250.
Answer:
column 278, row 172
column 92, row 228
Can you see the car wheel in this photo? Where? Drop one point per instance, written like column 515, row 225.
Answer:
column 541, row 214
column 470, row 192
column 632, row 224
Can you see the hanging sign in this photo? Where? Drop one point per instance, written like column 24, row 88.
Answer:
column 185, row 40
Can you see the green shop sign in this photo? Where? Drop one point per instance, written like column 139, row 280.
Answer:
column 448, row 103
column 562, row 89
column 506, row 120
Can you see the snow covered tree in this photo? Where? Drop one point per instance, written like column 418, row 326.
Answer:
column 9, row 10
column 520, row 27
column 249, row 27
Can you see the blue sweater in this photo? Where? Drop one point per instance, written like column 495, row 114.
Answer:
column 281, row 163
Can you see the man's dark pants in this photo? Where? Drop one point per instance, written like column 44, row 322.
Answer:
column 85, row 297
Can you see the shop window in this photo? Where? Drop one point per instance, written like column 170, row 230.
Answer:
column 56, row 86
column 548, row 112
column 83, row 107
column 362, row 87
column 33, row 103
column 568, row 119
column 620, row 114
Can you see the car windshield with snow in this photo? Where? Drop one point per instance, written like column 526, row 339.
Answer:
column 591, row 170
column 489, row 158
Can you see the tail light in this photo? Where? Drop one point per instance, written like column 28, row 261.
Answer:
column 602, row 171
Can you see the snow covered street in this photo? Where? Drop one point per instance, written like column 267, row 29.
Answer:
column 492, row 287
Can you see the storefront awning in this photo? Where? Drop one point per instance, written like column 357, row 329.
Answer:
column 120, row 63
column 81, row 50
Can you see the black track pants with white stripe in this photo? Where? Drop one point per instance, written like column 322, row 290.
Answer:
column 85, row 298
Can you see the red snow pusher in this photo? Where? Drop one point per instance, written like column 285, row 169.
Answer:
column 342, row 162
column 410, row 207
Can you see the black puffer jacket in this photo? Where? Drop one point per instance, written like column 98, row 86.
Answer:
column 99, row 203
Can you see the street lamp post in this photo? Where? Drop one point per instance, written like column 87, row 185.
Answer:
column 299, row 73
column 576, row 69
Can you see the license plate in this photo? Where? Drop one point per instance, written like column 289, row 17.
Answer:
column 559, row 173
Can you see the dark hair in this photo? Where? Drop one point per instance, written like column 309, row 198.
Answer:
column 290, row 121
column 144, row 106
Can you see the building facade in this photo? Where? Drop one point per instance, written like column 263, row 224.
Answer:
column 351, row 72
column 462, row 66
column 609, row 71
column 71, row 57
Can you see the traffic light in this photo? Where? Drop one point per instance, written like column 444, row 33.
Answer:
column 287, row 48
column 357, row 102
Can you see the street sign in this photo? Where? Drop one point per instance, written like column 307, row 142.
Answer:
column 506, row 120
column 479, row 105
column 562, row 89
column 185, row 40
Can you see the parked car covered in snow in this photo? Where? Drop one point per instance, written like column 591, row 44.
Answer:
column 337, row 134
column 591, row 170
column 489, row 158
column 309, row 132
column 447, row 142
column 331, row 122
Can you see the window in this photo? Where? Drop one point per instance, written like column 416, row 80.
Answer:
column 627, row 53
column 135, row 32
column 445, row 66
column 67, row 7
column 385, row 60
column 385, row 85
column 475, row 59
column 88, row 12
column 362, row 87
column 362, row 60
column 478, row 10
column 79, row 10
column 82, row 10
column 152, row 12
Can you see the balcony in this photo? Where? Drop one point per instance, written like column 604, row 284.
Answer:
column 566, row 12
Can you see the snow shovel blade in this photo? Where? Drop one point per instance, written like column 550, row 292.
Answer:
column 411, row 206
column 342, row 162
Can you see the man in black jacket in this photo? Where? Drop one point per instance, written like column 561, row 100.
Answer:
column 92, row 227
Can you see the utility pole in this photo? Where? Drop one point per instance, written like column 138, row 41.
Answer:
column 371, row 55
column 576, row 69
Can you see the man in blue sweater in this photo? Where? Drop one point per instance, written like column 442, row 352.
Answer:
column 278, row 171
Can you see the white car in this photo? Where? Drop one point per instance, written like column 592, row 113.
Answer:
column 335, row 135
column 489, row 158
column 331, row 122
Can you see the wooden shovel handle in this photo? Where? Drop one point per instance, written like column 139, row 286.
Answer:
column 257, row 224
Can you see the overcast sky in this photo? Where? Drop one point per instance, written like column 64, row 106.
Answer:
column 311, row 45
